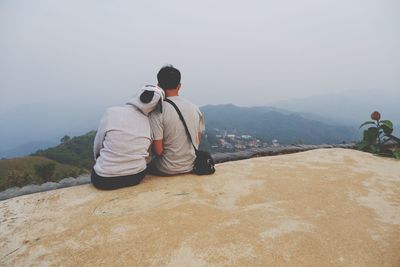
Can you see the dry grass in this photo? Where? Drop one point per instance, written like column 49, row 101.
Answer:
column 21, row 171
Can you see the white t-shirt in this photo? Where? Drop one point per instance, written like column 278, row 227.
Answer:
column 179, row 154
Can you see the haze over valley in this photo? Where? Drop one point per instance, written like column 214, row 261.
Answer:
column 37, row 126
column 63, row 62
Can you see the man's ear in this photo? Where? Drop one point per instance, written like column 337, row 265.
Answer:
column 146, row 96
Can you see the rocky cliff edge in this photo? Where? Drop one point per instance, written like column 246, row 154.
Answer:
column 325, row 207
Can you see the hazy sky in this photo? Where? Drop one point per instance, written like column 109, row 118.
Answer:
column 242, row 52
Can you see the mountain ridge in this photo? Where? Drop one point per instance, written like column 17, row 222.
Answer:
column 268, row 124
column 51, row 132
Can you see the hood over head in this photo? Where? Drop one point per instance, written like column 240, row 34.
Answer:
column 148, row 98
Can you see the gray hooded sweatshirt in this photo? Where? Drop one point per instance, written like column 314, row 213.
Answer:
column 123, row 138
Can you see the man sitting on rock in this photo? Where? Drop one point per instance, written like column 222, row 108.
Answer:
column 123, row 140
column 172, row 147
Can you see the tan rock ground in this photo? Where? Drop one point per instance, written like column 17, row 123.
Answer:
column 329, row 207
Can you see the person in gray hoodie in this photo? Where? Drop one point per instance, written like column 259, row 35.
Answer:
column 121, row 146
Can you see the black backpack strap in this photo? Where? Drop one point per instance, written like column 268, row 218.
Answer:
column 183, row 121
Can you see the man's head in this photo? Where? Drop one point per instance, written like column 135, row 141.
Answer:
column 169, row 78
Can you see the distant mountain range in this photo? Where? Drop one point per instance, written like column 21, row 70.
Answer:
column 26, row 149
column 316, row 119
column 269, row 123
column 351, row 108
column 28, row 128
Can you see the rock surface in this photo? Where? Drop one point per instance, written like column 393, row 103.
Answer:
column 218, row 158
column 325, row 207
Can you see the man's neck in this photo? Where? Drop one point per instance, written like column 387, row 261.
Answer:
column 169, row 93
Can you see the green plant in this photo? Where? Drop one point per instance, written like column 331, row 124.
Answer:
column 65, row 139
column 45, row 171
column 378, row 138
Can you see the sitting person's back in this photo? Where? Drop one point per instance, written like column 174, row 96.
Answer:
column 175, row 153
column 123, row 140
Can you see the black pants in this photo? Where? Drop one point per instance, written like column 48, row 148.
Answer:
column 110, row 183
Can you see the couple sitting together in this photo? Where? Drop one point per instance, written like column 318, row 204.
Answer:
column 150, row 123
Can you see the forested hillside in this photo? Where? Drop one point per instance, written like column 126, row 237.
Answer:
column 267, row 125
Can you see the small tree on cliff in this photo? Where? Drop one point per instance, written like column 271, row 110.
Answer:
column 65, row 139
column 378, row 138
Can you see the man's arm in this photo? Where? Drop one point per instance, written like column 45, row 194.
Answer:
column 202, row 127
column 156, row 124
column 158, row 147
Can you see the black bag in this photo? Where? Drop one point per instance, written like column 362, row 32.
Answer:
column 204, row 163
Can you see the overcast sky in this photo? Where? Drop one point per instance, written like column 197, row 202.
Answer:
column 241, row 52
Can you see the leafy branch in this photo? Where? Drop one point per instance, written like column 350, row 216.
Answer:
column 378, row 138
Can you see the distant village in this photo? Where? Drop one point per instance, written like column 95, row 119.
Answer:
column 230, row 141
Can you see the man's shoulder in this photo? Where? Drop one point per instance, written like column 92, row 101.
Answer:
column 184, row 103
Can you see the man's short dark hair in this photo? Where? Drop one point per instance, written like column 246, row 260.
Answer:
column 168, row 77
